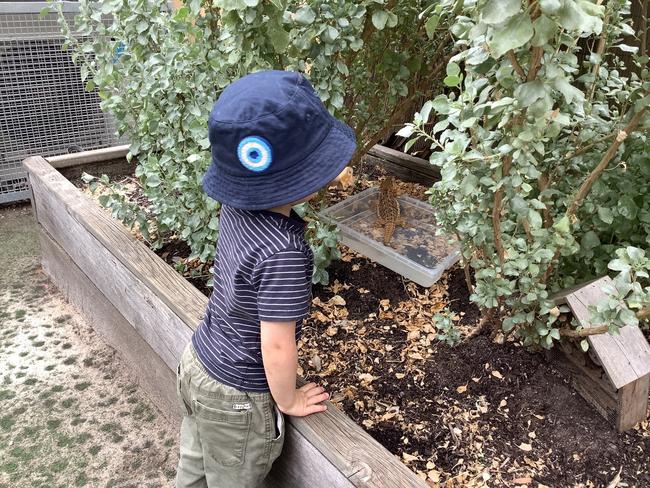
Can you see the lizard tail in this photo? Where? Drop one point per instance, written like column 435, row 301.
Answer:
column 388, row 232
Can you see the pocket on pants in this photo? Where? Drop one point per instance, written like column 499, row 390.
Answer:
column 279, row 430
column 224, row 434
column 179, row 391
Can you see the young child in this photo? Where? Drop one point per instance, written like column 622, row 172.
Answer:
column 274, row 144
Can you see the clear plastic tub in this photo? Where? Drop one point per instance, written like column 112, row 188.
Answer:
column 414, row 251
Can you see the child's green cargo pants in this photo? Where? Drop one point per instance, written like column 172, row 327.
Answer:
column 229, row 438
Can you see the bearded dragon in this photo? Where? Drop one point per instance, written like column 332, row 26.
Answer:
column 388, row 209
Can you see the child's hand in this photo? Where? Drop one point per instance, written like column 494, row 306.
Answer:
column 306, row 401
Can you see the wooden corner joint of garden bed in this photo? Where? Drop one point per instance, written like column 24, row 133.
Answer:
column 37, row 165
column 623, row 358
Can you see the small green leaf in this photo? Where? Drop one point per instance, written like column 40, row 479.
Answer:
column 431, row 25
column 379, row 19
column 441, row 104
column 440, row 126
column 605, row 214
column 635, row 253
column 305, row 15
column 153, row 180
column 405, row 131
column 519, row 205
column 618, row 265
column 392, row 20
column 562, row 225
column 516, row 32
column 545, row 30
column 529, row 93
column 409, row 144
column 628, row 317
column 498, row 11
column 468, row 185
column 181, row 14
column 573, row 17
column 550, row 7
column 279, row 37
column 425, row 111
column 453, row 69
column 331, row 34
column 584, row 345
column 87, row 178
column 569, row 92
column 452, row 80
column 342, row 67
column 590, row 240
column 535, row 219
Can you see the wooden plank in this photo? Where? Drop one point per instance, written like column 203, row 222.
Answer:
column 404, row 159
column 304, row 465
column 139, row 303
column 84, row 157
column 560, row 297
column 626, row 356
column 178, row 294
column 604, row 346
column 156, row 378
column 358, row 456
column 158, row 302
column 415, row 164
column 633, row 403
column 401, row 172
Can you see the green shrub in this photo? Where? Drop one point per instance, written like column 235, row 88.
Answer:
column 159, row 72
column 446, row 329
column 544, row 152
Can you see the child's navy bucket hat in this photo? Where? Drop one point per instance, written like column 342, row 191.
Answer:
column 273, row 142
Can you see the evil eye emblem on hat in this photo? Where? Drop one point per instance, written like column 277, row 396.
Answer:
column 254, row 153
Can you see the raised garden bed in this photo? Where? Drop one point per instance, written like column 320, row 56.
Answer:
column 147, row 312
column 481, row 414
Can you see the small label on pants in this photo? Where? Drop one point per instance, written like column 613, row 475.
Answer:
column 241, row 406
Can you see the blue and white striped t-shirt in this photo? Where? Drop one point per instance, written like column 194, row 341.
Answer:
column 262, row 271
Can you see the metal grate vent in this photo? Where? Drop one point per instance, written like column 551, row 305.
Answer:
column 44, row 107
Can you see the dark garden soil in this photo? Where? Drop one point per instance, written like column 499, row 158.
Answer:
column 480, row 414
column 485, row 413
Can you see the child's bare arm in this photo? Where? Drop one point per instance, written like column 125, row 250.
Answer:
column 280, row 357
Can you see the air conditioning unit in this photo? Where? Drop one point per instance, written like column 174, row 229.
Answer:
column 44, row 107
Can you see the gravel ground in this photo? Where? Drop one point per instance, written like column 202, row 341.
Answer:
column 71, row 413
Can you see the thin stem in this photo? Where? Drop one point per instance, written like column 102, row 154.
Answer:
column 644, row 26
column 515, row 64
column 600, row 51
column 586, row 148
column 496, row 213
column 542, row 184
column 536, row 63
column 591, row 179
column 604, row 162
column 588, row 331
